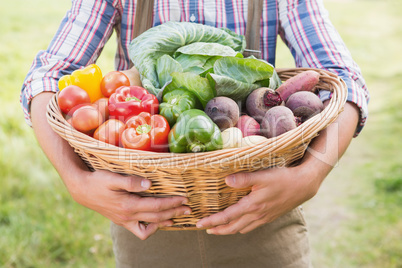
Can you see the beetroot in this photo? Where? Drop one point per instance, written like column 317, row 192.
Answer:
column 304, row 104
column 304, row 81
column 260, row 101
column 248, row 126
column 277, row 121
column 223, row 111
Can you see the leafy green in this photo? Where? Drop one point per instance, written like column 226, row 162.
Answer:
column 246, row 70
column 194, row 83
column 193, row 63
column 202, row 59
column 165, row 65
column 167, row 38
column 274, row 81
column 229, row 87
column 237, row 77
column 206, row 49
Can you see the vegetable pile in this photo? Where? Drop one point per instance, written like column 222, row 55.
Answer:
column 193, row 92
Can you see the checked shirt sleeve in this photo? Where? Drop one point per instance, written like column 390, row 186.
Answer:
column 314, row 42
column 78, row 42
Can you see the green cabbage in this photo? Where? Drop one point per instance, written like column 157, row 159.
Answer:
column 167, row 38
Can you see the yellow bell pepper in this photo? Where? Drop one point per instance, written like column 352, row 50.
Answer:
column 88, row 78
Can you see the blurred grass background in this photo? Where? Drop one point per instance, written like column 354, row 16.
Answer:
column 355, row 220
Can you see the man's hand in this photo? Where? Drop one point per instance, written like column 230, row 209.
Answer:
column 276, row 191
column 110, row 194
column 134, row 76
column 273, row 193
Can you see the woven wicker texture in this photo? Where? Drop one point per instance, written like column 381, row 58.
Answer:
column 201, row 176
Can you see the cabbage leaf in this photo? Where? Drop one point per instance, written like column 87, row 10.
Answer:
column 167, row 38
column 202, row 59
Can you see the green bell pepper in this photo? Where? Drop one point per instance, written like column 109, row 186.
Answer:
column 177, row 101
column 194, row 132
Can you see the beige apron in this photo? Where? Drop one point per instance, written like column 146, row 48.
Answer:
column 280, row 244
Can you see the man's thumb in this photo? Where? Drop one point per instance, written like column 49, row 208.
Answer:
column 239, row 180
column 136, row 184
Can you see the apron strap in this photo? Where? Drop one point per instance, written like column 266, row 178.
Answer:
column 254, row 13
column 143, row 16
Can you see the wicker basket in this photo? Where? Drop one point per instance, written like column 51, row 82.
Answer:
column 201, row 176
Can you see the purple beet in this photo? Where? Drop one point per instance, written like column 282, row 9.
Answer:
column 260, row 101
column 304, row 104
column 277, row 120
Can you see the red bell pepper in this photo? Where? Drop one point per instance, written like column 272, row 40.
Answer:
column 131, row 100
column 146, row 132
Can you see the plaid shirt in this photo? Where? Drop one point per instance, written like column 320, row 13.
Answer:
column 303, row 25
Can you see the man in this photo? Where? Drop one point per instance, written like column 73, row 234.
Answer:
column 269, row 217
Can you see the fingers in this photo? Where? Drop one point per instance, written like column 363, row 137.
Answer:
column 143, row 231
column 134, row 184
column 241, row 225
column 156, row 221
column 150, row 209
column 163, row 215
column 154, row 204
column 229, row 214
column 253, row 225
column 129, row 183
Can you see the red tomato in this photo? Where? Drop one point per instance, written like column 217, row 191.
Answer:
column 87, row 119
column 146, row 132
column 110, row 132
column 72, row 96
column 113, row 80
column 75, row 108
column 103, row 107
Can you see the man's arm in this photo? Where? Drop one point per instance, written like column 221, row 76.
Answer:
column 276, row 191
column 307, row 30
column 107, row 193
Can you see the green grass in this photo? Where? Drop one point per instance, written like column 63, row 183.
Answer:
column 40, row 225
column 354, row 220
